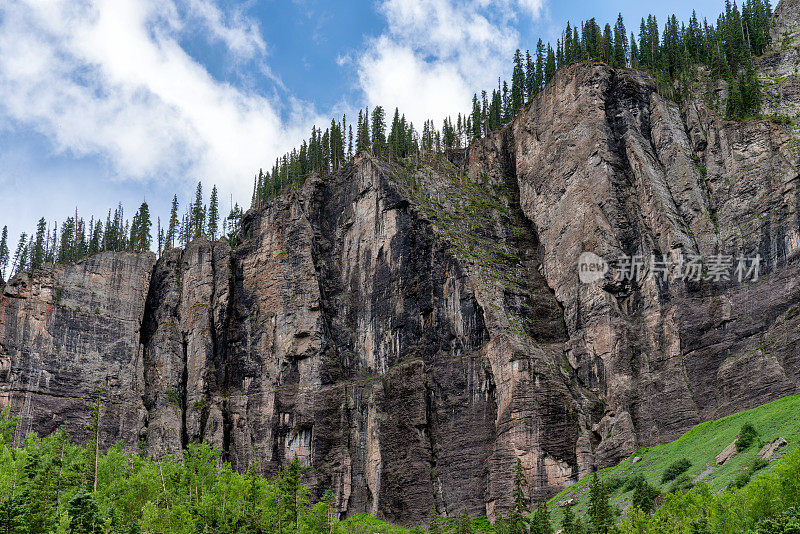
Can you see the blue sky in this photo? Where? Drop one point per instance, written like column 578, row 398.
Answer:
column 129, row 100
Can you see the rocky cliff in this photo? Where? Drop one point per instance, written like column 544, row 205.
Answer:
column 412, row 329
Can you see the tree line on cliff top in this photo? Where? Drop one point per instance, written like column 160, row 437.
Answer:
column 76, row 238
column 725, row 51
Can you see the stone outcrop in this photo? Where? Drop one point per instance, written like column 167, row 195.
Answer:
column 412, row 329
column 726, row 454
column 769, row 449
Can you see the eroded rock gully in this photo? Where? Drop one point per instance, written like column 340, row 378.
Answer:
column 411, row 330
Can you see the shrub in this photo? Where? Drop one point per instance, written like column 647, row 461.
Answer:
column 758, row 465
column 682, row 483
column 633, row 482
column 674, row 469
column 741, row 480
column 747, row 436
column 787, row 522
column 613, row 483
column 644, row 495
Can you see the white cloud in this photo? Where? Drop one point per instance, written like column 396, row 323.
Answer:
column 109, row 78
column 436, row 53
column 241, row 35
column 532, row 7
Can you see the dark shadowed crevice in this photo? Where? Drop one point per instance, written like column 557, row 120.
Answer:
column 222, row 354
column 183, row 388
column 431, row 432
column 553, row 328
column 215, row 356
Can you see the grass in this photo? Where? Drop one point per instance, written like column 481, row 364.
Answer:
column 480, row 220
column 700, row 446
column 369, row 524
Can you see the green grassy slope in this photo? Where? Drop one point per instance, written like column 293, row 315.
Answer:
column 700, row 445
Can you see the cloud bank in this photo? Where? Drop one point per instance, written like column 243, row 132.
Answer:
column 110, row 78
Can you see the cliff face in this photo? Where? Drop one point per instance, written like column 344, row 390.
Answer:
column 606, row 165
column 411, row 330
column 66, row 333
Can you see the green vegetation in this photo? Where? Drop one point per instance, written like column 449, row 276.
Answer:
column 699, row 446
column 674, row 469
column 747, row 437
column 52, row 485
column 767, row 504
column 644, row 495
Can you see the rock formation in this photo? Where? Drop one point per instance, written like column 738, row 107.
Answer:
column 412, row 329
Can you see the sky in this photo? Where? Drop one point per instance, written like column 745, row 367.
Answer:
column 109, row 101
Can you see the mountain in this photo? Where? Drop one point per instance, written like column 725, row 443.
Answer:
column 411, row 329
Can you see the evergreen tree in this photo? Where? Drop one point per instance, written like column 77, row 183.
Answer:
column 172, row 229
column 750, row 91
column 517, row 85
column 4, row 252
column 140, row 237
column 476, row 118
column 12, row 514
column 20, row 262
column 559, row 53
column 198, row 214
column 378, row 131
column 84, row 515
column 592, row 39
column 600, row 516
column 540, row 60
column 506, row 99
column 530, row 76
column 96, row 241
column 362, row 135
column 213, row 214
column 634, row 53
column 550, row 66
column 568, row 521
column 464, row 523
column 159, row 236
column 38, row 253
column 66, row 252
column 620, row 43
column 607, row 48
column 434, row 522
column 234, row 223
column 644, row 495
column 568, row 45
column 540, row 523
column 520, row 506
column 734, row 109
